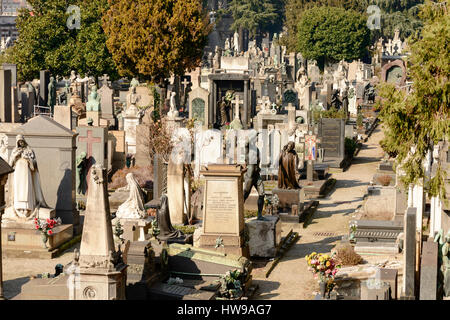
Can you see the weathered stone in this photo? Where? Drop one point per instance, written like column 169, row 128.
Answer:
column 264, row 236
column 409, row 254
column 429, row 271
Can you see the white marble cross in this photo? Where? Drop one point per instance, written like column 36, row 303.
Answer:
column 237, row 102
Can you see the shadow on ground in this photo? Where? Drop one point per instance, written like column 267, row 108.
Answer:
column 264, row 289
column 13, row 287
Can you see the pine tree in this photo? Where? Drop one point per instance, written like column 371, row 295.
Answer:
column 420, row 118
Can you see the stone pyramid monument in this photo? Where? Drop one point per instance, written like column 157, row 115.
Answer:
column 102, row 273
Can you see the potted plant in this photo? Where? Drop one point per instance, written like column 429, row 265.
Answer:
column 45, row 226
column 324, row 268
column 353, row 227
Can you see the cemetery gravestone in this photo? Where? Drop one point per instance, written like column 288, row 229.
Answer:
column 223, row 210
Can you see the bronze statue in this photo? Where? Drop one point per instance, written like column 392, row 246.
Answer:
column 288, row 175
column 252, row 178
column 167, row 231
column 51, row 94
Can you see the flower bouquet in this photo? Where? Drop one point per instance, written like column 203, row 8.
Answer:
column 325, row 268
column 45, row 226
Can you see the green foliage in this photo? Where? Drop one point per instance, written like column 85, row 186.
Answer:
column 153, row 39
column 186, row 229
column 420, row 118
column 45, row 41
column 330, row 34
column 350, row 146
column 331, row 113
column 359, row 120
column 253, row 15
column 400, row 14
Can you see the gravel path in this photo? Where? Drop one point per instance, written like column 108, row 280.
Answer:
column 290, row 279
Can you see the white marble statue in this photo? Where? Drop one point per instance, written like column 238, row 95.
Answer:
column 301, row 85
column 133, row 207
column 132, row 100
column 236, row 42
column 27, row 196
column 173, row 112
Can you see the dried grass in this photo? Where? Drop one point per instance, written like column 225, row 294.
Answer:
column 347, row 256
column 143, row 175
column 384, row 180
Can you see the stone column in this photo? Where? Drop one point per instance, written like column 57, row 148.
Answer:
column 5, row 96
column 245, row 113
column 418, row 203
column 212, row 102
column 435, row 215
column 43, row 87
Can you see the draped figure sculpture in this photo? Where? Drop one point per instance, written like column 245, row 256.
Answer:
column 133, row 207
column 167, row 231
column 27, row 196
column 287, row 168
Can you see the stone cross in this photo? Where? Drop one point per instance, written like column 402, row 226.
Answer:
column 237, row 102
column 185, row 83
column 104, row 79
column 310, row 140
column 90, row 140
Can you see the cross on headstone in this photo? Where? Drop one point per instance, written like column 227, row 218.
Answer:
column 237, row 102
column 90, row 140
column 185, row 83
column 310, row 140
column 104, row 79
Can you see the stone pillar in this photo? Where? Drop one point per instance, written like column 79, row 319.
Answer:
column 175, row 188
column 212, row 102
column 43, row 87
column 5, row 96
column 435, row 215
column 409, row 253
column 246, row 96
column 418, row 203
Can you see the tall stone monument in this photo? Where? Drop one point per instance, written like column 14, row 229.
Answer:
column 102, row 273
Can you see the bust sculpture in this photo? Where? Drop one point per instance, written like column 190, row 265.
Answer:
column 287, row 167
column 133, row 207
column 27, row 196
column 93, row 103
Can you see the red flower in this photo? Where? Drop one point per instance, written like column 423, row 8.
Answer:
column 50, row 232
column 37, row 227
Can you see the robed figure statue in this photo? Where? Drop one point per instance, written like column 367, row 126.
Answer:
column 26, row 190
column 133, row 208
column 287, row 168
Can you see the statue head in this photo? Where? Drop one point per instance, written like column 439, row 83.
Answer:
column 20, row 141
column 82, row 155
column 290, row 146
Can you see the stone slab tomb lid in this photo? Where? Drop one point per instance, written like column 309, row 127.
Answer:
column 43, row 126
